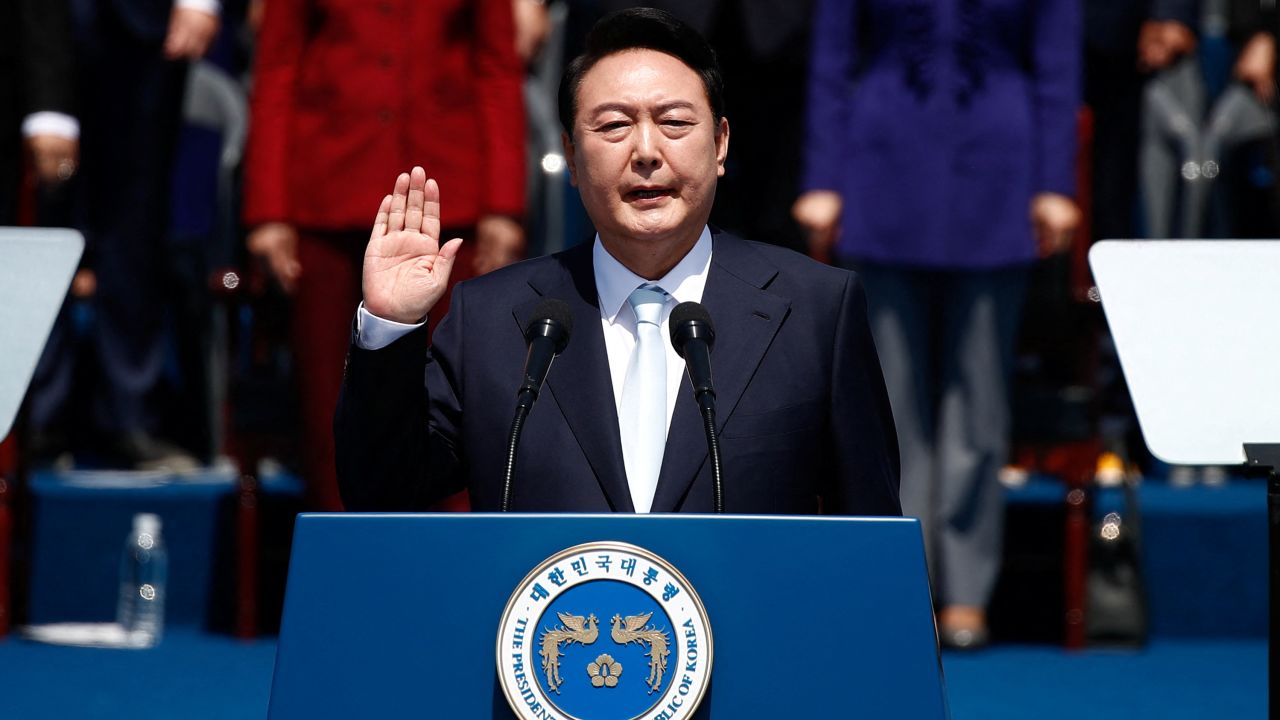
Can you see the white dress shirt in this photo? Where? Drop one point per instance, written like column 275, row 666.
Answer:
column 614, row 283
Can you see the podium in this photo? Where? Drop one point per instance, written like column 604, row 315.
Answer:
column 398, row 615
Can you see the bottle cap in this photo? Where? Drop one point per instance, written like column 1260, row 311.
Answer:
column 148, row 523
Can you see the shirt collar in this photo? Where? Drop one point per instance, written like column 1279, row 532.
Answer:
column 685, row 281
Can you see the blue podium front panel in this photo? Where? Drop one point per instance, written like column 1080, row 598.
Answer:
column 398, row 615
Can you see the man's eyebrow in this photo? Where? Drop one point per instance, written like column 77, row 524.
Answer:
column 675, row 105
column 611, row 106
column 627, row 108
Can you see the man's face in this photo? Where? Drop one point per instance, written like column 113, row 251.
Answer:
column 646, row 154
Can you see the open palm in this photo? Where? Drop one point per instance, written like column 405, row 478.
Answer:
column 406, row 269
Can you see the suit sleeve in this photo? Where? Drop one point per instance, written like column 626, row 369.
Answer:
column 396, row 428
column 46, row 56
column 281, row 41
column 1056, row 55
column 865, row 474
column 832, row 62
column 1250, row 17
column 499, row 78
column 1186, row 12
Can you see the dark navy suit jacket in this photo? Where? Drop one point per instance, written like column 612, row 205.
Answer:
column 804, row 420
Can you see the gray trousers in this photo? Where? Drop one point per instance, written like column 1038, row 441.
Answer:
column 946, row 343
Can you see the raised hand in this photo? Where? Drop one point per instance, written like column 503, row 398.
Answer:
column 406, row 269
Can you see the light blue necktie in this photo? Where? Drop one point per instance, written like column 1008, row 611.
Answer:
column 642, row 414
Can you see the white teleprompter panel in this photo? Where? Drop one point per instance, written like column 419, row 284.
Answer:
column 1197, row 327
column 36, row 266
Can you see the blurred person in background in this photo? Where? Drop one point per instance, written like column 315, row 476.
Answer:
column 1122, row 41
column 939, row 163
column 38, row 127
column 341, row 90
column 131, row 61
column 1208, row 153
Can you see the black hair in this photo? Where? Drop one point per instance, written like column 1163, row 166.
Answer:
column 642, row 29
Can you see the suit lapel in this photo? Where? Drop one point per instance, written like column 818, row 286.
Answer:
column 746, row 318
column 579, row 380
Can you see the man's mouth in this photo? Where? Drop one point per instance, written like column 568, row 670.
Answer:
column 648, row 193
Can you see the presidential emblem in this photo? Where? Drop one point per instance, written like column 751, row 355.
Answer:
column 651, row 660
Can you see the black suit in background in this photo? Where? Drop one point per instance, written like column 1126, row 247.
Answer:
column 131, row 102
column 763, row 49
column 1248, row 17
column 1113, row 90
column 35, row 75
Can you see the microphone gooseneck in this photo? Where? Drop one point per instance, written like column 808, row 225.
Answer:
column 546, row 335
column 693, row 335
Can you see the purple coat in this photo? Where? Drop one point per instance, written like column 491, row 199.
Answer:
column 938, row 120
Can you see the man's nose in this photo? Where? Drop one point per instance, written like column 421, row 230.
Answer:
column 645, row 153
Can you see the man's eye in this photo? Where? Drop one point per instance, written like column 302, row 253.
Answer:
column 611, row 126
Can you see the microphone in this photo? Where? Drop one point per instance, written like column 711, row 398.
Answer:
column 692, row 335
column 547, row 335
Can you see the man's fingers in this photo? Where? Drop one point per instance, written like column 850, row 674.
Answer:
column 399, row 200
column 431, row 209
column 413, row 213
column 449, row 250
column 443, row 265
column 380, row 220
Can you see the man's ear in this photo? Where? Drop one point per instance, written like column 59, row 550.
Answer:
column 722, row 145
column 567, row 143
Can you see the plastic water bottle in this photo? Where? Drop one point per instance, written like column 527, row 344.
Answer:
column 144, row 566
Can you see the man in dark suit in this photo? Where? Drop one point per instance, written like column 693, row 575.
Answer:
column 804, row 419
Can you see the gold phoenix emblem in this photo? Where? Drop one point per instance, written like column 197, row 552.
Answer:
column 632, row 630
column 604, row 671
column 576, row 629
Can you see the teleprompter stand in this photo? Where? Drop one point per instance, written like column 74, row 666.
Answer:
column 1266, row 456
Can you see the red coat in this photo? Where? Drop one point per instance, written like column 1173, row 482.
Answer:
column 348, row 93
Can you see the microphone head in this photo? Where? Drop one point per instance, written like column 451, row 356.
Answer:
column 552, row 319
column 689, row 321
